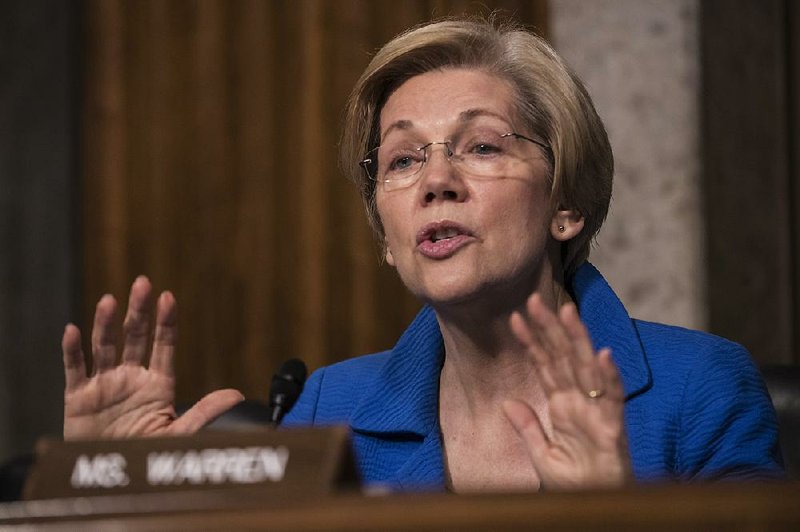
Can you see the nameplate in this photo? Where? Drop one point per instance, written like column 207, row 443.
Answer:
column 305, row 461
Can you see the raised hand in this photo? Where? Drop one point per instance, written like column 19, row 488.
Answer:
column 587, row 446
column 125, row 399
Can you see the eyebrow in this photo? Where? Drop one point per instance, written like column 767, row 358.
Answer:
column 471, row 114
column 463, row 117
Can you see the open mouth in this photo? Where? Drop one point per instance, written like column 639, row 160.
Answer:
column 439, row 240
column 443, row 230
column 444, row 234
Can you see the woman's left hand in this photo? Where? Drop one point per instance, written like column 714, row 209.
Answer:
column 587, row 446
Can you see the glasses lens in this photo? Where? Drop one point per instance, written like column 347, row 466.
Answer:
column 399, row 161
column 485, row 152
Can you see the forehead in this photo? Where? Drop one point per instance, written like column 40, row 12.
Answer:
column 440, row 98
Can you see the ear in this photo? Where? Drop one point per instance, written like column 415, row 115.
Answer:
column 389, row 256
column 566, row 224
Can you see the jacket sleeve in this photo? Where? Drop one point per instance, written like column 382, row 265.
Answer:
column 304, row 411
column 729, row 430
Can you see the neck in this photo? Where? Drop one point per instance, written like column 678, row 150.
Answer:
column 484, row 362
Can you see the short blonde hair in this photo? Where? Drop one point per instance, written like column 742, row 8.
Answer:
column 551, row 102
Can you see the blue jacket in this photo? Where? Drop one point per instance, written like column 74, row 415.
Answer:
column 695, row 405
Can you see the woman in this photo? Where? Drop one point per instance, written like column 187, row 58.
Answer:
column 486, row 172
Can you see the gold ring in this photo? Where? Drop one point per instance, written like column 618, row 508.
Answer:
column 595, row 394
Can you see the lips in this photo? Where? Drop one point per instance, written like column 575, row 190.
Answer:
column 440, row 240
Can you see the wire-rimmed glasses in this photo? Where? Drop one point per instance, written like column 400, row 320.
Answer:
column 478, row 152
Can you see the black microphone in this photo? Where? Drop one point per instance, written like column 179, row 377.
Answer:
column 286, row 386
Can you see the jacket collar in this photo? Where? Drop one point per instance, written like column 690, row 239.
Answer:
column 404, row 398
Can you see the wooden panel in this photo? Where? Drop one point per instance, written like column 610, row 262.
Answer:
column 748, row 201
column 210, row 164
column 793, row 65
column 104, row 119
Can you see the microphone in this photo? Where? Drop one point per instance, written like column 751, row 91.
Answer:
column 286, row 386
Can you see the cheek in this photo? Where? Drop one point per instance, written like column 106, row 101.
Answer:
column 389, row 216
column 522, row 221
column 387, row 223
column 522, row 205
column 380, row 210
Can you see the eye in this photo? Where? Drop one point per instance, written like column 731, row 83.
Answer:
column 481, row 143
column 403, row 162
column 485, row 148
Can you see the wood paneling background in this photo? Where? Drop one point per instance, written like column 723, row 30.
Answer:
column 209, row 164
column 751, row 157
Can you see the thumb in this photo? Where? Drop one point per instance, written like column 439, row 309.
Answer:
column 206, row 410
column 527, row 424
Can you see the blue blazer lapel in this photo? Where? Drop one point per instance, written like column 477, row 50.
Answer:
column 404, row 398
column 424, row 468
column 397, row 419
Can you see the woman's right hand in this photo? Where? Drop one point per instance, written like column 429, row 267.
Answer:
column 126, row 398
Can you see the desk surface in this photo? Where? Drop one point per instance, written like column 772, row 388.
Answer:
column 748, row 507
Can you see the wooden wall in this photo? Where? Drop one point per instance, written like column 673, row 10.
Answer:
column 209, row 163
column 751, row 156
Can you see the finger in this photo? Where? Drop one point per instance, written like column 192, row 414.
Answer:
column 554, row 339
column 137, row 322
column 526, row 423
column 166, row 335
column 74, row 361
column 614, row 388
column 541, row 360
column 585, row 363
column 104, row 350
column 530, row 335
column 206, row 410
column 577, row 333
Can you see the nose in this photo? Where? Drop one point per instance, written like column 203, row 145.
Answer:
column 441, row 179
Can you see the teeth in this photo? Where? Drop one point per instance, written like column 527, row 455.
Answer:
column 444, row 233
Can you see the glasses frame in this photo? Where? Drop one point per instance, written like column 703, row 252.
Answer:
column 364, row 163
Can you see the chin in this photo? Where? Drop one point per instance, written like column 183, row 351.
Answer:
column 452, row 292
column 498, row 295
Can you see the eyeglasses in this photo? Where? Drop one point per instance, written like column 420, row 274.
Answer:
column 478, row 152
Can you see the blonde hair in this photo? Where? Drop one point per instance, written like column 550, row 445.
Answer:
column 551, row 102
